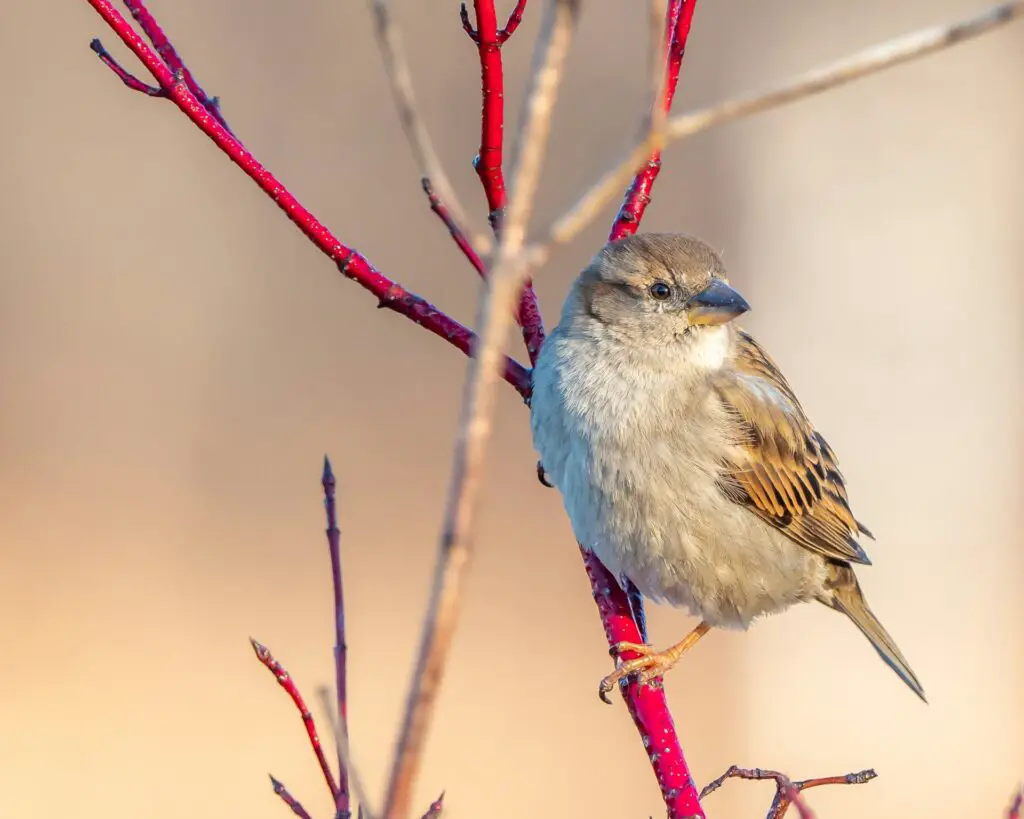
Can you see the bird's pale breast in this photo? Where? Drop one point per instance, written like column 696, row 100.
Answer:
column 637, row 453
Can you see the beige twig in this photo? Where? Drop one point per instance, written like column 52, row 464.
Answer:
column 494, row 320
column 876, row 58
column 323, row 693
column 659, row 33
column 396, row 66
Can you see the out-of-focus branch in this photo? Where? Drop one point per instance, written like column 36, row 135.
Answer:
column 786, row 792
column 396, row 66
column 285, row 680
column 351, row 264
column 503, row 288
column 869, row 61
column 489, row 160
column 1014, row 810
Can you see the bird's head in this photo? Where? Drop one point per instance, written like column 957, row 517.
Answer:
column 656, row 288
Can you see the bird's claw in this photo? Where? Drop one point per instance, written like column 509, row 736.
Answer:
column 648, row 667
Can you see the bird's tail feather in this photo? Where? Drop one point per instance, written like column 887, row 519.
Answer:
column 848, row 598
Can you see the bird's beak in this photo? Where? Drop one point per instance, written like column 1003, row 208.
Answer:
column 717, row 303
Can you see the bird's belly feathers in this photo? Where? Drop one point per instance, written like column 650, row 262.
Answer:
column 645, row 499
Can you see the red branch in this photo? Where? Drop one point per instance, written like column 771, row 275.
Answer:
column 352, row 264
column 289, row 800
column 169, row 54
column 647, row 705
column 488, row 163
column 638, row 196
column 285, row 680
column 620, row 611
column 445, row 216
column 124, row 75
column 341, row 793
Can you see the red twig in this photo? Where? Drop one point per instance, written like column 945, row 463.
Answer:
column 647, row 705
column 124, row 75
column 285, row 680
column 488, row 163
column 434, row 811
column 638, row 196
column 289, row 800
column 441, row 210
column 786, row 792
column 341, row 793
column 169, row 54
column 514, row 19
column 352, row 265
column 622, row 613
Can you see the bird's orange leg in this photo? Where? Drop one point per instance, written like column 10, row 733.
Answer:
column 650, row 663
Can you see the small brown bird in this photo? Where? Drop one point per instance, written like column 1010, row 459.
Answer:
column 684, row 458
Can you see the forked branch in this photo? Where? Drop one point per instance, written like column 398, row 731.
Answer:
column 786, row 792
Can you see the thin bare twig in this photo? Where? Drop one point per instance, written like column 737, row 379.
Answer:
column 494, row 320
column 341, row 796
column 284, row 679
column 861, row 64
column 786, row 792
column 288, row 799
column 396, row 66
column 124, row 74
column 869, row 61
column 458, row 235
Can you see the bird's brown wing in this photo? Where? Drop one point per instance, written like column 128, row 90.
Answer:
column 783, row 470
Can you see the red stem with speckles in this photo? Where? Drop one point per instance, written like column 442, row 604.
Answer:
column 648, row 705
column 352, row 264
column 488, row 163
column 638, row 196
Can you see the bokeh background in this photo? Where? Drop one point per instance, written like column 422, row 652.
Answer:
column 175, row 359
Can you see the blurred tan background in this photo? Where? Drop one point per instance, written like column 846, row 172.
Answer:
column 175, row 358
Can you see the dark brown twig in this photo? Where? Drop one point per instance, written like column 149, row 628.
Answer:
column 786, row 792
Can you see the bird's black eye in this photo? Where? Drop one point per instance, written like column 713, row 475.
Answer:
column 660, row 291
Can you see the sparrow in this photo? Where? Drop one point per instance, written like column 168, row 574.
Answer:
column 684, row 459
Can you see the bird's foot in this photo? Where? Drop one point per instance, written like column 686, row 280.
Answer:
column 651, row 664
